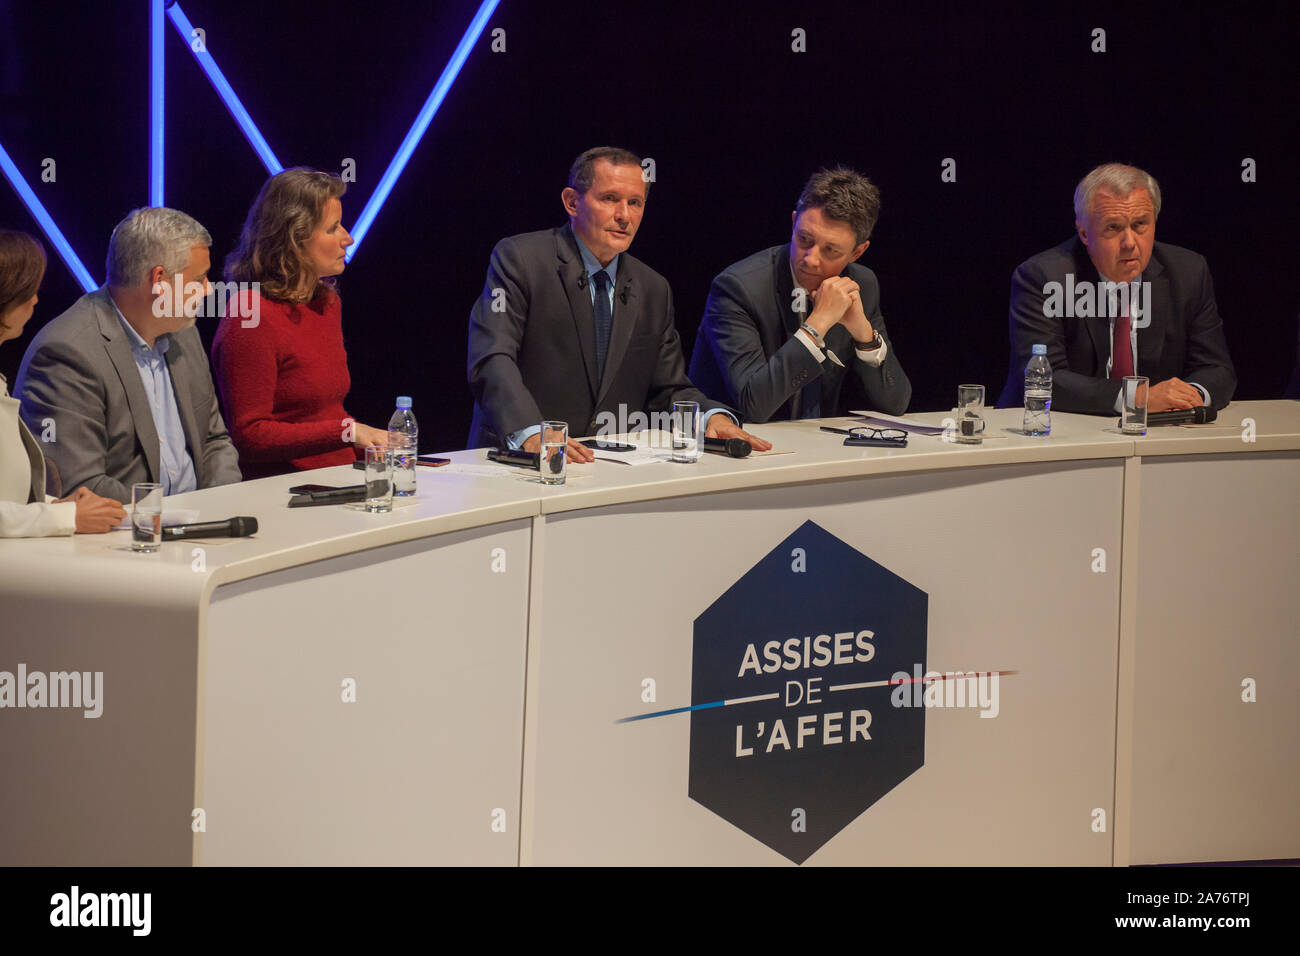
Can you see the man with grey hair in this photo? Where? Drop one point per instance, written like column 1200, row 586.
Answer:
column 118, row 387
column 1111, row 302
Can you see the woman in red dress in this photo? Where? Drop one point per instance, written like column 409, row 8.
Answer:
column 278, row 360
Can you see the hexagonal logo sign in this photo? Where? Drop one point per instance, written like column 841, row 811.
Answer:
column 795, row 735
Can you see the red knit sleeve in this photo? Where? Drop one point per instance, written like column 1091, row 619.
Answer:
column 246, row 362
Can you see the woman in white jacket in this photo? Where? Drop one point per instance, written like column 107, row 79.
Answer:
column 25, row 510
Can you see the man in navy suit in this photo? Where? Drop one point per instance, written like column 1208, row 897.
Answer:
column 787, row 328
column 572, row 328
column 1112, row 302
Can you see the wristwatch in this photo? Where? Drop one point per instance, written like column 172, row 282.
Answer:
column 871, row 346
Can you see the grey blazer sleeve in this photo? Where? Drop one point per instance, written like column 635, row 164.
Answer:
column 220, row 457
column 1071, row 391
column 496, row 330
column 61, row 385
column 760, row 385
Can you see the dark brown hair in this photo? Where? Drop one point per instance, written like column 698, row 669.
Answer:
column 284, row 215
column 22, row 267
column 845, row 195
column 583, row 171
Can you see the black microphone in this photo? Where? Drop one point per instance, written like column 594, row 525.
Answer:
column 735, row 447
column 230, row 528
column 1183, row 416
column 582, row 281
column 623, row 295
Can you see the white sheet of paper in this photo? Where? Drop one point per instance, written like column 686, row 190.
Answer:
column 652, row 447
column 774, row 450
column 915, row 427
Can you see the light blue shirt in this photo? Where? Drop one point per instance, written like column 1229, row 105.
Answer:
column 516, row 439
column 173, row 457
column 1133, row 350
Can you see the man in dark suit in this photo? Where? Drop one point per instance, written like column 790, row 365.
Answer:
column 1162, row 324
column 118, row 387
column 787, row 328
column 572, row 328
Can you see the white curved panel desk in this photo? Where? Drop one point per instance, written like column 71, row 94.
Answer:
column 441, row 684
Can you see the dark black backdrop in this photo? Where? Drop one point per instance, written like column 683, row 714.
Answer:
column 735, row 122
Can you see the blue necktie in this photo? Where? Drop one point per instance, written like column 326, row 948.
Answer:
column 604, row 321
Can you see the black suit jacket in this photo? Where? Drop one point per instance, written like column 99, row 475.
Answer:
column 746, row 347
column 1185, row 337
column 532, row 345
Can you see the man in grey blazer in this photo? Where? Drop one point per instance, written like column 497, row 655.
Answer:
column 785, row 330
column 572, row 328
column 118, row 387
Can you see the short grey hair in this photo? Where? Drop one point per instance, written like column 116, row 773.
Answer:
column 1118, row 180
column 148, row 237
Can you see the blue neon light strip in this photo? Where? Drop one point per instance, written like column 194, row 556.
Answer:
column 157, row 33
column 224, row 90
column 403, row 155
column 52, row 231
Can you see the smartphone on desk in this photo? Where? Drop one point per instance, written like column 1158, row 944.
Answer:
column 597, row 444
column 509, row 456
column 432, row 461
column 331, row 496
column 311, row 489
column 876, row 442
column 871, row 437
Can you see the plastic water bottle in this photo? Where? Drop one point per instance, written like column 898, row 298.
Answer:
column 1038, row 393
column 404, row 439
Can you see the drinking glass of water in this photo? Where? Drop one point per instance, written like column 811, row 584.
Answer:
column 970, row 414
column 552, row 462
column 146, row 517
column 379, row 479
column 686, row 432
column 1133, row 416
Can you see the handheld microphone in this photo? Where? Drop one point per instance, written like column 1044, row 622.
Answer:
column 733, row 447
column 230, row 528
column 1183, row 416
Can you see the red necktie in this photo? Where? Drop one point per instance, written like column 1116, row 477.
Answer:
column 1121, row 349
